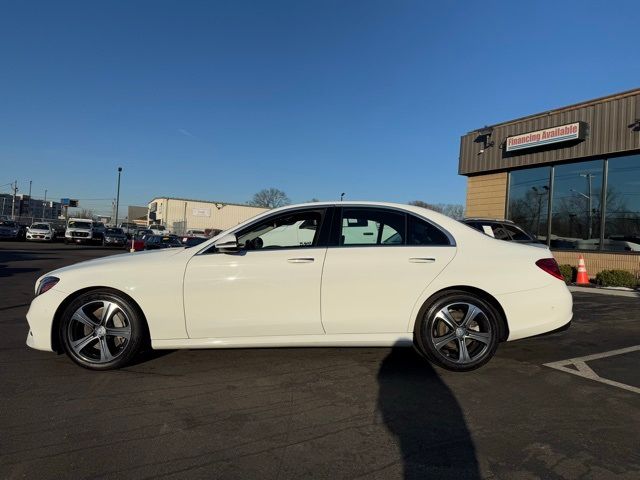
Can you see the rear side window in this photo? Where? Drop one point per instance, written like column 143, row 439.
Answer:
column 369, row 226
column 372, row 227
column 421, row 232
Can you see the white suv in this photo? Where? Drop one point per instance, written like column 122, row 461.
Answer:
column 79, row 230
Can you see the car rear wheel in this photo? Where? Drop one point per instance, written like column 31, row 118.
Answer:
column 102, row 330
column 459, row 331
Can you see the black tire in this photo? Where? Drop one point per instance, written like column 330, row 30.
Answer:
column 122, row 332
column 432, row 331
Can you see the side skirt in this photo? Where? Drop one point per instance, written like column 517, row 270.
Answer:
column 339, row 340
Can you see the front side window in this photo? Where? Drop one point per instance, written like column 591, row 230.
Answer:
column 372, row 227
column 289, row 230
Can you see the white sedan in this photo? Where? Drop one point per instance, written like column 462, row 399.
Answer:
column 320, row 274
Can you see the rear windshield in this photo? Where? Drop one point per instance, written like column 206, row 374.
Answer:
column 114, row 231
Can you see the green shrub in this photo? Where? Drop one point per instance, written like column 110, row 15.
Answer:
column 568, row 272
column 616, row 278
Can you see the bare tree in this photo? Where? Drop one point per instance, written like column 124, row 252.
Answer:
column 270, row 198
column 453, row 210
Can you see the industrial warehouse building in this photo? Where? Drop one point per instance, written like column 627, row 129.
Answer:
column 570, row 176
column 182, row 214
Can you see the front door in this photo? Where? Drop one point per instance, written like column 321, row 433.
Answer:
column 270, row 287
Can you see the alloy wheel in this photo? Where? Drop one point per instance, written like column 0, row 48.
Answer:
column 461, row 332
column 99, row 331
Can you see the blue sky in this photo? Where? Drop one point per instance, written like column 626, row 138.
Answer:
column 217, row 100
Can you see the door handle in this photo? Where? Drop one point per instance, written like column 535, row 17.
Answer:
column 422, row 260
column 301, row 260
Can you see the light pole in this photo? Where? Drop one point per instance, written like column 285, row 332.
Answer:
column 44, row 206
column 539, row 194
column 589, row 201
column 118, row 196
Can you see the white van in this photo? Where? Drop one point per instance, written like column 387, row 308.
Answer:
column 79, row 230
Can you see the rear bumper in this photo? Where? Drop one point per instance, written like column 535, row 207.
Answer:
column 540, row 311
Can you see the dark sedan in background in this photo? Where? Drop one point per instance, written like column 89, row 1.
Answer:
column 501, row 229
column 10, row 230
column 154, row 242
column 114, row 237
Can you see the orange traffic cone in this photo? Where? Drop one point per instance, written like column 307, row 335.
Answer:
column 582, row 278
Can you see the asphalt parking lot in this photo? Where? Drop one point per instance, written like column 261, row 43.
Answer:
column 333, row 413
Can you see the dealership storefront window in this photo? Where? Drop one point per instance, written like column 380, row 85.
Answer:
column 576, row 193
column 622, row 219
column 576, row 205
column 529, row 200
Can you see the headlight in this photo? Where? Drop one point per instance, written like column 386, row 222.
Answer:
column 46, row 284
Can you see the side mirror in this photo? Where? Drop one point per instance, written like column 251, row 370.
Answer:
column 227, row 244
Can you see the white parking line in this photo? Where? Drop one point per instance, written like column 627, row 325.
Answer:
column 583, row 370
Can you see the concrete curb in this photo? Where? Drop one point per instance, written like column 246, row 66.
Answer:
column 604, row 291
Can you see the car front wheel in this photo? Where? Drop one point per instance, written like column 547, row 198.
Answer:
column 102, row 330
column 459, row 331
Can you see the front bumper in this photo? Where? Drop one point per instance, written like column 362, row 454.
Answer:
column 79, row 239
column 40, row 319
column 38, row 236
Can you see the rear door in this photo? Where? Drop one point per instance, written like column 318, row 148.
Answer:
column 380, row 262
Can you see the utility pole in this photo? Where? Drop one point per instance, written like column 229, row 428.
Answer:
column 44, row 206
column 118, row 196
column 13, row 201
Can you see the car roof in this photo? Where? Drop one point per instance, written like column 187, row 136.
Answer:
column 483, row 219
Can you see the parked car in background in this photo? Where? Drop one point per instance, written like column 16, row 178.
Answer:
column 128, row 228
column 502, row 230
column 11, row 230
column 137, row 240
column 196, row 233
column 98, row 232
column 79, row 230
column 114, row 237
column 155, row 242
column 319, row 274
column 192, row 241
column 41, row 231
column 159, row 229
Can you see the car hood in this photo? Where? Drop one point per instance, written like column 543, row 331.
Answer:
column 122, row 262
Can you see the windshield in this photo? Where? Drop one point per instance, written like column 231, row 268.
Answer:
column 114, row 231
column 157, row 227
column 77, row 224
column 7, row 223
column 40, row 226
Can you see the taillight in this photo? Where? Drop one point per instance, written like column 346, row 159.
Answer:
column 550, row 266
